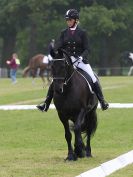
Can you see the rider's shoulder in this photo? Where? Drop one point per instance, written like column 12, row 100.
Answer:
column 63, row 30
column 82, row 29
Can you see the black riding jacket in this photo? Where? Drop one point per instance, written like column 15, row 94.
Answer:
column 74, row 42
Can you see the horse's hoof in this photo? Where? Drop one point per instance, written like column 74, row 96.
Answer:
column 71, row 158
column 80, row 154
column 89, row 156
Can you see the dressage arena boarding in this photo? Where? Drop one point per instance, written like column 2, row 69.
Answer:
column 105, row 169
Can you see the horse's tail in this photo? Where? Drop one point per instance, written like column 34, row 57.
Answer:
column 26, row 71
column 89, row 124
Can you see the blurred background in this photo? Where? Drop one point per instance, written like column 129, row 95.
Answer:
column 27, row 27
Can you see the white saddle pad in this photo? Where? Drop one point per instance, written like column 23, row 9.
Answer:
column 45, row 59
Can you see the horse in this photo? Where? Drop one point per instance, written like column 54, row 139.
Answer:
column 75, row 102
column 36, row 64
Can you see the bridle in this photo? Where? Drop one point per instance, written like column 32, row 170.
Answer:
column 66, row 80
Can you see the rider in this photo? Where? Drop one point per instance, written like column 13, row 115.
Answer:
column 74, row 40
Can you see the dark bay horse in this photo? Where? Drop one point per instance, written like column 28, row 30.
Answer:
column 36, row 64
column 74, row 101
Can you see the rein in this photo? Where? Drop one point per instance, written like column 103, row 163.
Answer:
column 66, row 81
column 76, row 60
column 58, row 59
column 63, row 78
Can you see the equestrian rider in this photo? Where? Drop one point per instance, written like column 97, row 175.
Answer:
column 75, row 41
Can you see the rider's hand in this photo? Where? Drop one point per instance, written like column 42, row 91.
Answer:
column 81, row 58
column 73, row 58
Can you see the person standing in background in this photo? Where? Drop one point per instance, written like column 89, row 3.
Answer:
column 50, row 47
column 13, row 63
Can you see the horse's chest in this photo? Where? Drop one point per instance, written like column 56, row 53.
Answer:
column 66, row 104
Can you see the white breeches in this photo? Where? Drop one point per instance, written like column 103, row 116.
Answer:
column 85, row 67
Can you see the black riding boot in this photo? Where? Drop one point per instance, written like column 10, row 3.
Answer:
column 44, row 106
column 98, row 92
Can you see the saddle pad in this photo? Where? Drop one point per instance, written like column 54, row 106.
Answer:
column 87, row 78
column 45, row 60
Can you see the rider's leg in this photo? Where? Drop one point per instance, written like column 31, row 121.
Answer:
column 97, row 88
column 45, row 105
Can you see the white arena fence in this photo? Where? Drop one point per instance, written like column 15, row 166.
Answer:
column 104, row 169
column 28, row 107
column 109, row 167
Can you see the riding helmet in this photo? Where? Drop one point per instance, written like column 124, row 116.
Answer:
column 72, row 14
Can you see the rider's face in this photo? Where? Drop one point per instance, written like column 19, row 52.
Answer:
column 70, row 22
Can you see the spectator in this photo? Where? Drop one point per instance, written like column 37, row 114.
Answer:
column 14, row 63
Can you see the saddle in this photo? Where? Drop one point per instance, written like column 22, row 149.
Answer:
column 87, row 78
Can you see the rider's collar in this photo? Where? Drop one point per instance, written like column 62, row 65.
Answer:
column 74, row 28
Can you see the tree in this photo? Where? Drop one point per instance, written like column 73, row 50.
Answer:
column 107, row 27
column 30, row 15
column 13, row 17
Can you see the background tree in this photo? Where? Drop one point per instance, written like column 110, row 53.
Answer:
column 28, row 26
column 13, row 17
column 107, row 27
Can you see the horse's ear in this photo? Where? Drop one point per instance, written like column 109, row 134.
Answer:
column 56, row 54
column 67, row 56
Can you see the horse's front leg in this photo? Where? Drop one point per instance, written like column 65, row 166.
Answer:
column 41, row 74
column 68, row 137
column 79, row 145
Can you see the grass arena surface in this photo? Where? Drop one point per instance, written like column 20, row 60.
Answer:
column 32, row 143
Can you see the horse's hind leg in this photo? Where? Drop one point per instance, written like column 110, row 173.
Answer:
column 92, row 125
column 79, row 145
column 33, row 73
column 88, row 147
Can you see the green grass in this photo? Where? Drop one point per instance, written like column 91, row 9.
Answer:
column 32, row 143
column 116, row 89
column 23, row 91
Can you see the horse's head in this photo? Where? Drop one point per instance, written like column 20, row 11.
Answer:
column 61, row 70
